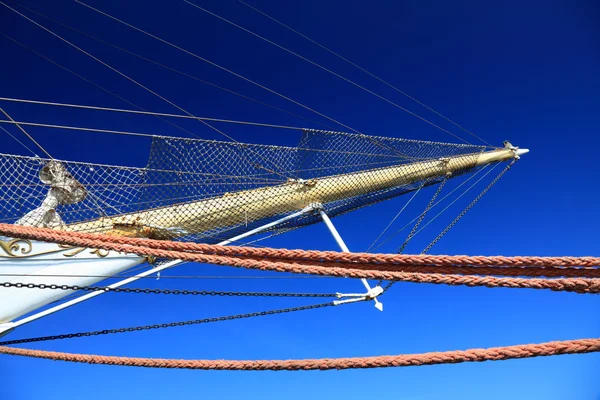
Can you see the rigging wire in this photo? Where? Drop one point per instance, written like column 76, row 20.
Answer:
column 103, row 63
column 117, row 71
column 116, row 132
column 91, row 82
column 423, row 214
column 455, row 200
column 214, row 64
column 327, row 70
column 222, row 68
column 25, row 133
column 18, row 141
column 144, row 112
column 462, row 214
column 395, row 218
column 365, row 71
column 437, row 203
column 173, row 69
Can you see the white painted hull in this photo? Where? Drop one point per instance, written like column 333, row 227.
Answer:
column 24, row 260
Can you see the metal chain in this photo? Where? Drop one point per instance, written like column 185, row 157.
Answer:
column 166, row 325
column 462, row 214
column 158, row 291
column 422, row 217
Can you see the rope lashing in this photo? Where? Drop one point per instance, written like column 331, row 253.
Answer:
column 579, row 346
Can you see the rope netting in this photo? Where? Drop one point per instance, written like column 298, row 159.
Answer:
column 207, row 191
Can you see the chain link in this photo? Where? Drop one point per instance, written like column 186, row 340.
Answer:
column 422, row 217
column 165, row 325
column 462, row 214
column 158, row 291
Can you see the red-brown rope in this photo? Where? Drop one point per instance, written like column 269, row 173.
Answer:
column 253, row 260
column 404, row 360
column 550, row 272
column 102, row 241
column 577, row 285
column 374, row 266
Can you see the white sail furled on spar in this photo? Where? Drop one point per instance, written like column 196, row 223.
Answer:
column 205, row 191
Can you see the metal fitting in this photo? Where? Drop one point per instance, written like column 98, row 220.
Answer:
column 374, row 292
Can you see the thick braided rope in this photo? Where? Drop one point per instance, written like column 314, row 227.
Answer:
column 549, row 272
column 101, row 241
column 577, row 285
column 404, row 360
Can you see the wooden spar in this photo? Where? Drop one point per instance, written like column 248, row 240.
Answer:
column 255, row 204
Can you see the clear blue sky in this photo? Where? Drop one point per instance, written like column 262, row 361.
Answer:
column 526, row 71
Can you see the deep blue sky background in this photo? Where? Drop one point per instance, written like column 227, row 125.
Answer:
column 526, row 71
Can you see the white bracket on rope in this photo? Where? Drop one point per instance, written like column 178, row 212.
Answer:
column 371, row 293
